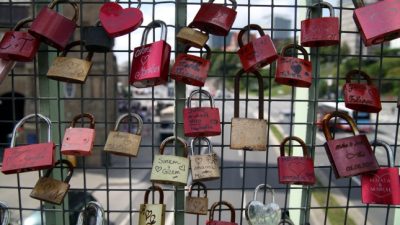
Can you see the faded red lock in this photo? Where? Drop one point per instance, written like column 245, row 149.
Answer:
column 377, row 22
column 53, row 28
column 191, row 69
column 79, row 140
column 362, row 97
column 293, row 71
column 257, row 53
column 215, row 19
column 349, row 156
column 150, row 63
column 295, row 169
column 19, row 45
column 318, row 32
column 201, row 121
column 211, row 220
column 29, row 157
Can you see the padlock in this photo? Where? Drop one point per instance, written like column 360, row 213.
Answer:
column 349, row 156
column 150, row 63
column 258, row 53
column 286, row 222
column 377, row 22
column 293, row 71
column 382, row 186
column 197, row 205
column 5, row 68
column 153, row 214
column 53, row 28
column 246, row 133
column 201, row 121
column 96, row 39
column 211, row 220
column 51, row 190
column 79, row 140
column 125, row 143
column 68, row 69
column 92, row 214
column 191, row 36
column 19, row 45
column 204, row 166
column 318, row 32
column 5, row 214
column 191, row 69
column 29, row 157
column 360, row 96
column 295, row 169
column 215, row 19
column 170, row 169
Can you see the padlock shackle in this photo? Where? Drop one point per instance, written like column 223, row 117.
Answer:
column 171, row 139
column 206, row 47
column 70, row 169
column 353, row 73
column 85, row 213
column 295, row 46
column 322, row 5
column 152, row 25
column 266, row 187
column 154, row 188
column 200, row 91
column 293, row 138
column 6, row 213
column 229, row 205
column 201, row 186
column 74, row 44
column 73, row 4
column 285, row 221
column 82, row 116
column 200, row 139
column 248, row 28
column 343, row 115
column 134, row 115
column 358, row 3
column 138, row 1
column 23, row 120
column 389, row 150
column 260, row 93
column 234, row 3
column 21, row 23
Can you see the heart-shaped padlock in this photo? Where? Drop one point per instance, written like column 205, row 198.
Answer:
column 257, row 213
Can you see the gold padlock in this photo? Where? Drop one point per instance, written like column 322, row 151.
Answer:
column 72, row 70
column 124, row 143
column 204, row 167
column 50, row 190
column 153, row 214
column 197, row 205
column 191, row 36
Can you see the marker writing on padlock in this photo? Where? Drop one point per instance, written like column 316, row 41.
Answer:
column 18, row 45
column 359, row 166
column 149, row 70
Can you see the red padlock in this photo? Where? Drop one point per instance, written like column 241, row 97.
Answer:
column 258, row 53
column 349, row 156
column 79, row 141
column 191, row 69
column 19, row 45
column 211, row 220
column 201, row 121
column 317, row 32
column 377, row 22
column 150, row 63
column 29, row 157
column 360, row 96
column 215, row 18
column 53, row 28
column 295, row 169
column 293, row 71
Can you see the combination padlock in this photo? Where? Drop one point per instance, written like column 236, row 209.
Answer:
column 96, row 39
column 204, row 167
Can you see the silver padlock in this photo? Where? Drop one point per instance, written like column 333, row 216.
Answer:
column 5, row 67
column 92, row 214
column 257, row 213
column 4, row 214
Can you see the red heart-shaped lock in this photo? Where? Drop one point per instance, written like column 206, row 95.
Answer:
column 118, row 21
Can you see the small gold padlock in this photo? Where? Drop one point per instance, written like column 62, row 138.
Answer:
column 50, row 190
column 191, row 36
column 204, row 167
column 124, row 143
column 197, row 205
column 153, row 214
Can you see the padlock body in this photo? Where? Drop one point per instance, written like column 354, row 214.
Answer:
column 196, row 205
column 52, row 28
column 150, row 64
column 296, row 170
column 190, row 69
column 170, row 169
column 97, row 40
column 204, row 167
column 214, row 222
column 152, row 214
column 257, row 54
column 362, row 97
column 293, row 71
column 190, row 36
column 351, row 156
column 71, row 70
column 318, row 32
column 123, row 143
column 50, row 190
column 215, row 19
column 5, row 67
column 18, row 46
column 78, row 141
column 257, row 213
column 249, row 134
column 27, row 158
column 201, row 121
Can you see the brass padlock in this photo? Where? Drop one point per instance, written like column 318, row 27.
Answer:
column 50, row 190
column 197, row 205
column 204, row 167
column 4, row 214
column 124, row 143
column 191, row 36
column 152, row 214
column 92, row 214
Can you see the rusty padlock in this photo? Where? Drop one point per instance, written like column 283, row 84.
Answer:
column 53, row 28
column 5, row 214
column 204, row 166
column 153, row 214
column 50, row 190
column 79, row 140
column 150, row 63
column 197, row 205
column 201, row 121
column 349, row 156
column 29, row 157
column 92, row 214
column 211, row 220
column 293, row 71
column 191, row 36
column 360, row 96
column 215, row 19
column 318, row 32
column 241, row 138
column 5, row 68
column 258, row 53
